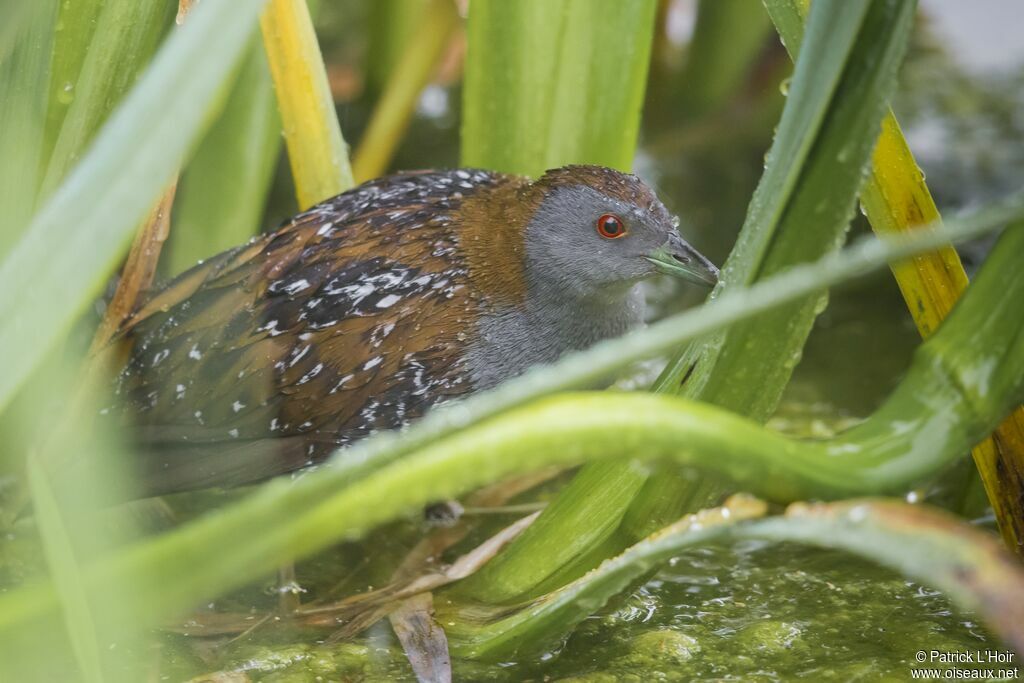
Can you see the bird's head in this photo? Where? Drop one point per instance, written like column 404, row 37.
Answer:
column 597, row 231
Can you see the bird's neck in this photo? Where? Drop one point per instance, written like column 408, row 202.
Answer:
column 545, row 327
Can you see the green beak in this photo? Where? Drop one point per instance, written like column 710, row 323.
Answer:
column 679, row 259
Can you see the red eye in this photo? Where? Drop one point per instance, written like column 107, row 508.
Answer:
column 611, row 226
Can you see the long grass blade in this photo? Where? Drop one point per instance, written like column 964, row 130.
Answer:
column 485, row 636
column 543, row 89
column 66, row 573
column 924, row 544
column 390, row 25
column 139, row 269
column 316, row 148
column 134, row 156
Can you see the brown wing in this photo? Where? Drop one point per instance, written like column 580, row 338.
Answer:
column 348, row 320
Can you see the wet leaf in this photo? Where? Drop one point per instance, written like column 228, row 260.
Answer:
column 423, row 639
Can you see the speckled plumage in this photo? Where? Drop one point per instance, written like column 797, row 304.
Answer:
column 356, row 316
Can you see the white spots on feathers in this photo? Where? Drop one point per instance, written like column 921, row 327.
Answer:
column 359, row 290
column 297, row 354
column 388, row 301
column 297, row 286
column 341, row 382
column 381, row 332
column 356, row 291
column 289, row 287
column 311, row 374
column 194, row 353
column 270, row 327
column 237, row 406
column 373, row 362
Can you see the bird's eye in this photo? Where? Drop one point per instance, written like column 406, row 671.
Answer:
column 611, row 226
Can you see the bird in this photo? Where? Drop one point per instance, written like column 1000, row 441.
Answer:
column 365, row 311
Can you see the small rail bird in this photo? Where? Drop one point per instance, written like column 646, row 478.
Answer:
column 363, row 312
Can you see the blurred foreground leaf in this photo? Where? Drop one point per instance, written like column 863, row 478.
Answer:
column 13, row 15
column 136, row 153
column 22, row 112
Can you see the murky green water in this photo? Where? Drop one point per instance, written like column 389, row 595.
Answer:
column 752, row 613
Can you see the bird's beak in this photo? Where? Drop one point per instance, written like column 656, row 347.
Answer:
column 679, row 259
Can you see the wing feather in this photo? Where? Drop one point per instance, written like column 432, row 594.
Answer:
column 347, row 320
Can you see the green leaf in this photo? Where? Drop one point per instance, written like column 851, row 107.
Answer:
column 553, row 83
column 224, row 188
column 316, row 147
column 798, row 212
column 92, row 215
column 73, row 33
column 13, row 15
column 23, row 75
column 807, row 196
column 127, row 33
column 390, row 25
column 66, row 574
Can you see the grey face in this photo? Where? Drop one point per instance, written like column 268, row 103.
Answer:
column 592, row 245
